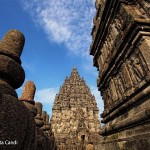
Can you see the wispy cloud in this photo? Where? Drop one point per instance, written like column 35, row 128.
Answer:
column 29, row 67
column 68, row 22
column 46, row 97
column 88, row 67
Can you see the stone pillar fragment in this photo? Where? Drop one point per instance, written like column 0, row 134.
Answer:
column 29, row 91
column 45, row 138
column 28, row 96
column 38, row 119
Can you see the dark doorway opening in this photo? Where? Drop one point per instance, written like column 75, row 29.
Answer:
column 82, row 138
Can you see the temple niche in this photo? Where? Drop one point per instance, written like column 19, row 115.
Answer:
column 121, row 53
column 74, row 119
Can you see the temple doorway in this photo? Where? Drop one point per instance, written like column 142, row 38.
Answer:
column 82, row 138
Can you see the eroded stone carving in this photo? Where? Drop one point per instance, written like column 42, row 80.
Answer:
column 135, row 69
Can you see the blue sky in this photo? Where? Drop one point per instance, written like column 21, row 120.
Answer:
column 58, row 38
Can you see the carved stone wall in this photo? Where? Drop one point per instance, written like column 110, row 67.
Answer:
column 75, row 115
column 121, row 50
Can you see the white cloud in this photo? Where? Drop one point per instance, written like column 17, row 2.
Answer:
column 64, row 21
column 46, row 96
column 29, row 67
column 88, row 67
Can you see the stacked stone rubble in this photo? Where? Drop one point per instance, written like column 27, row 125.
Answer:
column 121, row 50
column 75, row 115
column 45, row 138
column 42, row 140
column 17, row 127
column 22, row 126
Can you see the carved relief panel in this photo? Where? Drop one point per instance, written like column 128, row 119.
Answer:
column 146, row 6
column 130, row 75
column 107, row 49
column 114, row 36
column 135, row 68
column 107, row 97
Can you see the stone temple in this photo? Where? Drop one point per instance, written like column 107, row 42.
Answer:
column 75, row 120
column 121, row 54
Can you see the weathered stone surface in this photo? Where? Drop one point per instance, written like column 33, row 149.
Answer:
column 45, row 138
column 38, row 119
column 42, row 140
column 10, row 50
column 121, row 50
column 44, row 116
column 75, row 115
column 16, row 121
column 28, row 97
column 90, row 146
column 13, row 43
column 28, row 91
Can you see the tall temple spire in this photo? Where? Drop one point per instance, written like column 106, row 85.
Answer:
column 75, row 114
column 74, row 73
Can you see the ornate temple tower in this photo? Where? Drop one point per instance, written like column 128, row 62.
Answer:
column 75, row 120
